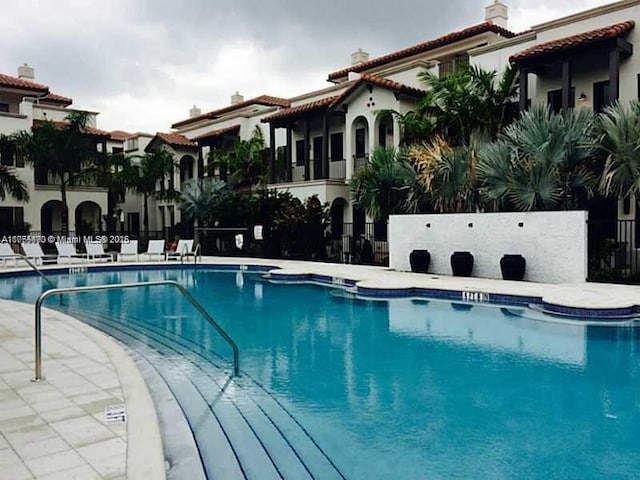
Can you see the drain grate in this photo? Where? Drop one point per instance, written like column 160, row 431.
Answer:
column 115, row 414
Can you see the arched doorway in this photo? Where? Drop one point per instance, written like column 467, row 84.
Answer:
column 88, row 219
column 51, row 217
column 384, row 130
column 186, row 168
column 360, row 135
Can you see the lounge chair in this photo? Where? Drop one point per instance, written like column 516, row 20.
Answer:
column 95, row 251
column 33, row 251
column 68, row 251
column 184, row 249
column 128, row 250
column 155, row 249
column 7, row 254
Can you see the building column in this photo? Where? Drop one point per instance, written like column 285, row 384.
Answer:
column 349, row 148
column 614, row 74
column 307, row 149
column 200, row 167
column 566, row 85
column 325, row 145
column 272, row 152
column 288, row 157
column 396, row 132
column 372, row 135
column 524, row 89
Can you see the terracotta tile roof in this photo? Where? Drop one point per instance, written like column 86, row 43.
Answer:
column 573, row 41
column 424, row 47
column 366, row 78
column 88, row 130
column 15, row 82
column 299, row 109
column 120, row 135
column 234, row 129
column 175, row 140
column 55, row 98
column 261, row 100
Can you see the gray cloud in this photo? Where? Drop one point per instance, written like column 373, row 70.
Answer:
column 144, row 62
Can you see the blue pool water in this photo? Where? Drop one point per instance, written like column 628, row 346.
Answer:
column 362, row 389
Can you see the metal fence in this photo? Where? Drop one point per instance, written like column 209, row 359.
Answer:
column 351, row 243
column 614, row 251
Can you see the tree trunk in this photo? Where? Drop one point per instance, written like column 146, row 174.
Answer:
column 64, row 220
column 146, row 216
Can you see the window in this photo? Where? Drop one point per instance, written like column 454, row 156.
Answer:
column 132, row 144
column 360, row 141
column 554, row 99
column 337, row 145
column 117, row 150
column 4, row 107
column 601, row 96
column 300, row 153
column 7, row 154
column 11, row 220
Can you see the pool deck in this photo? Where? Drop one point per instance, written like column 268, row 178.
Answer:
column 57, row 428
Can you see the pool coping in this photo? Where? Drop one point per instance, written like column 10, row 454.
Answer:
column 591, row 301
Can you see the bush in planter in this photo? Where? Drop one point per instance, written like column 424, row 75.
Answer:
column 461, row 264
column 419, row 261
column 513, row 267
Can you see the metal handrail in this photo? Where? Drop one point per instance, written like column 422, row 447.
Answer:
column 36, row 269
column 43, row 296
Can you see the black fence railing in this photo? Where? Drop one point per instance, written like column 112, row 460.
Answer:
column 614, row 251
column 349, row 243
column 358, row 243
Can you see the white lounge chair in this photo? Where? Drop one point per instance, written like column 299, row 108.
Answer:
column 128, row 250
column 184, row 249
column 68, row 251
column 33, row 251
column 7, row 254
column 155, row 249
column 95, row 251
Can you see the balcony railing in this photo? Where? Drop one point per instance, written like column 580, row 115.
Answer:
column 359, row 162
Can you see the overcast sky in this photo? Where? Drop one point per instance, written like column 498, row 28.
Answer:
column 144, row 63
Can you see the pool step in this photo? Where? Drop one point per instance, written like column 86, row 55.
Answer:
column 232, row 419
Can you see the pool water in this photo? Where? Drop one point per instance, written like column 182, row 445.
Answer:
column 403, row 388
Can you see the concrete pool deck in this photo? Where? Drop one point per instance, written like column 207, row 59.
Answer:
column 57, row 429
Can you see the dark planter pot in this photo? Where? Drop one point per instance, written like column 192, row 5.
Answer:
column 420, row 260
column 513, row 267
column 461, row 264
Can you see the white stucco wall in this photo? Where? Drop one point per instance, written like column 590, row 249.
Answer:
column 554, row 244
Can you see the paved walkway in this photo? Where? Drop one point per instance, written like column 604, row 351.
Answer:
column 57, row 429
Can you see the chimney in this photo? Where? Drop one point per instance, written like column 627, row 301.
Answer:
column 194, row 112
column 236, row 98
column 26, row 72
column 497, row 13
column 359, row 57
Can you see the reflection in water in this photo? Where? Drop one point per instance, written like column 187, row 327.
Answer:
column 488, row 326
column 406, row 389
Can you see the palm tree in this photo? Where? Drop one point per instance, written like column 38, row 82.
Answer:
column 383, row 186
column 447, row 175
column 10, row 184
column 143, row 175
column 245, row 161
column 540, row 162
column 617, row 135
column 200, row 200
column 62, row 151
column 469, row 101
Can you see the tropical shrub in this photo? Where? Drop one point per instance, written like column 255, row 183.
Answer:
column 383, row 187
column 540, row 162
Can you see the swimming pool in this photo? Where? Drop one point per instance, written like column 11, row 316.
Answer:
column 339, row 387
